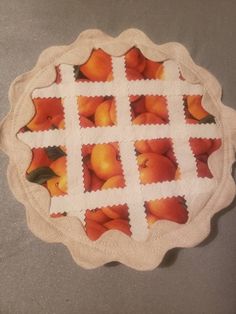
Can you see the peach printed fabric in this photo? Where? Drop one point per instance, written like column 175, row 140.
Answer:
column 125, row 146
column 119, row 143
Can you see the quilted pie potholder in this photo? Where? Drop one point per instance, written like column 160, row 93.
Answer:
column 119, row 148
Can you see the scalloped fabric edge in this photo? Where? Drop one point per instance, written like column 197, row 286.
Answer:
column 114, row 246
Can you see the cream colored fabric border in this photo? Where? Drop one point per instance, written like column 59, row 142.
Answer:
column 113, row 245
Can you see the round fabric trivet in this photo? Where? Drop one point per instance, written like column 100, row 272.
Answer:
column 119, row 148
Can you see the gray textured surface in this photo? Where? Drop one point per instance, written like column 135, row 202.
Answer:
column 36, row 277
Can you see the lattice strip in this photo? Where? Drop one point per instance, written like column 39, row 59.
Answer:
column 73, row 137
column 73, row 143
column 137, row 215
column 150, row 192
column 113, row 133
column 137, row 87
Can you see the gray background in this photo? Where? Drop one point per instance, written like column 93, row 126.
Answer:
column 36, row 277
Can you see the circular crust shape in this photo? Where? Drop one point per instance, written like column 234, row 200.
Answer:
column 142, row 112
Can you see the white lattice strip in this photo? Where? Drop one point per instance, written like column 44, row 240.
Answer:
column 94, row 88
column 187, row 187
column 68, row 204
column 121, row 93
column 137, row 215
column 75, row 185
column 115, row 133
column 43, row 138
column 78, row 203
column 92, row 200
column 67, row 77
column 171, row 70
column 75, row 88
column 51, row 91
column 137, row 87
column 162, row 87
column 210, row 130
column 73, row 147
column 180, row 138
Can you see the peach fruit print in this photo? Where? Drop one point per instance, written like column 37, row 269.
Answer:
column 155, row 160
column 96, row 111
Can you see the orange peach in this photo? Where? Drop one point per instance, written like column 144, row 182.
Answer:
column 159, row 146
column 58, row 185
column 186, row 111
column 195, row 107
column 119, row 224
column 61, row 125
column 155, row 168
column 88, row 105
column 133, row 74
column 39, row 159
column 203, row 169
column 93, row 229
column 203, row 157
column 169, row 209
column 96, row 215
column 191, row 121
column 170, row 154
column 157, row 105
column 87, row 178
column 216, row 143
column 87, row 150
column 98, row 67
column 132, row 114
column 85, row 123
column 114, row 182
column 200, row 145
column 138, row 106
column 116, row 146
column 105, row 114
column 104, row 161
column 56, row 121
column 177, row 174
column 96, row 182
column 49, row 113
column 134, row 59
column 110, row 76
column 153, row 70
column 117, row 211
column 87, row 162
column 147, row 118
column 59, row 166
column 133, row 98
column 62, row 184
column 151, row 219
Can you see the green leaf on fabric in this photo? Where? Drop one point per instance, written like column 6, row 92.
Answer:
column 40, row 175
column 54, row 152
column 207, row 119
column 78, row 74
